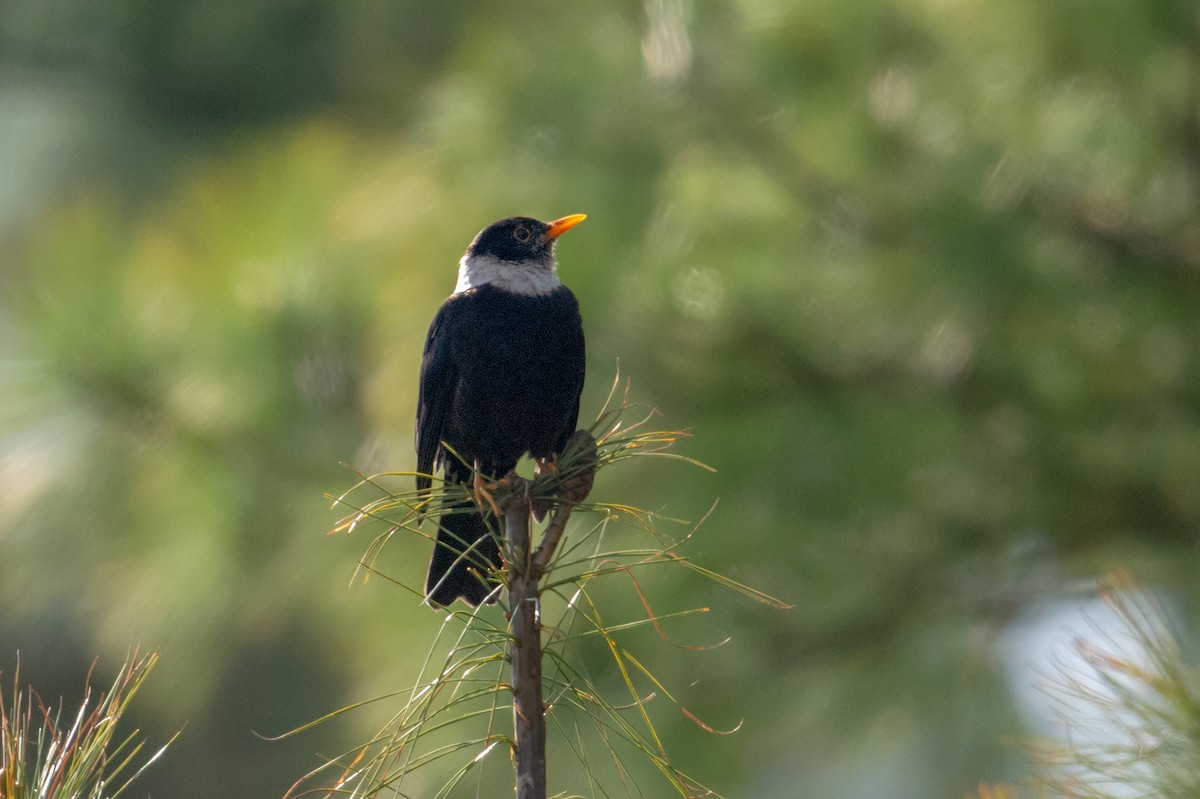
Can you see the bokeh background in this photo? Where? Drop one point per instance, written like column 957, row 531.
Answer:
column 922, row 278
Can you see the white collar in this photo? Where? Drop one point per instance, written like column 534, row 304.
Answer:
column 534, row 279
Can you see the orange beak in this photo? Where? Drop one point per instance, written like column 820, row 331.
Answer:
column 561, row 226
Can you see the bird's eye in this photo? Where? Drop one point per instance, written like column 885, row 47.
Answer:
column 521, row 233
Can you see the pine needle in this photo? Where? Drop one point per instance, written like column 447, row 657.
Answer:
column 43, row 758
column 461, row 687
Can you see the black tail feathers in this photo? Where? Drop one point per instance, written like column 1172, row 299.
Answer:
column 465, row 553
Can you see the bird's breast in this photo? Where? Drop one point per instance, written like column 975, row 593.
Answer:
column 520, row 366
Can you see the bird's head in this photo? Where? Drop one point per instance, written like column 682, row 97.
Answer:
column 520, row 239
column 515, row 254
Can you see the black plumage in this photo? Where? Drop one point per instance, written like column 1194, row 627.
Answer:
column 501, row 376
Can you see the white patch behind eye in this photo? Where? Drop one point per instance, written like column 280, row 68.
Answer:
column 528, row 278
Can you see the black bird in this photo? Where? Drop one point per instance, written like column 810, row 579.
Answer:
column 501, row 376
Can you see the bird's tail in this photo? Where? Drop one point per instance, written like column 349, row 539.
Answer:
column 465, row 552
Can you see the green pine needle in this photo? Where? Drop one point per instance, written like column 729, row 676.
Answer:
column 459, row 708
column 44, row 757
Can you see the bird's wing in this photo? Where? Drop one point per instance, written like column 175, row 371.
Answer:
column 439, row 374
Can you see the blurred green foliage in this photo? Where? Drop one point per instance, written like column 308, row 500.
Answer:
column 922, row 278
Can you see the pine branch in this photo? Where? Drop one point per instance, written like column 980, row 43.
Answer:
column 524, row 591
column 462, row 685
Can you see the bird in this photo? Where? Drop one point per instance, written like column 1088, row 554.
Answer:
column 502, row 372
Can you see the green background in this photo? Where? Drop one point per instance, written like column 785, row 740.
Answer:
column 921, row 278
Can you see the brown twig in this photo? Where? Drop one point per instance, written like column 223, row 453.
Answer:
column 526, row 568
column 575, row 487
column 525, row 654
